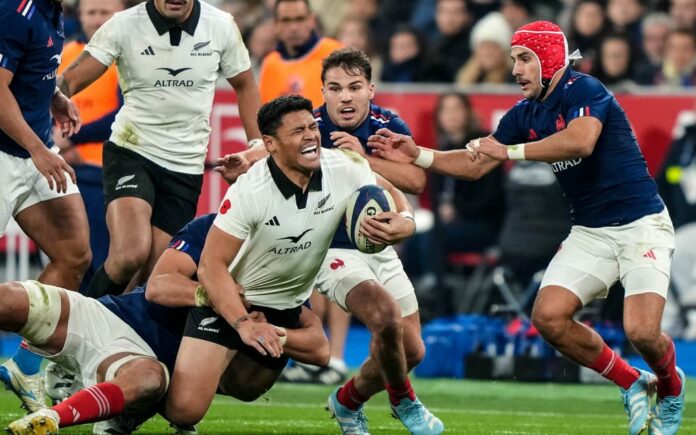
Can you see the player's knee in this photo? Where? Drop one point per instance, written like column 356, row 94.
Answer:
column 75, row 258
column 322, row 354
column 386, row 321
column 146, row 379
column 414, row 354
column 549, row 322
column 642, row 336
column 153, row 381
column 126, row 263
column 183, row 411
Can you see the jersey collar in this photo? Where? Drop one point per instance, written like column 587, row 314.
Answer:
column 163, row 25
column 362, row 131
column 555, row 96
column 288, row 188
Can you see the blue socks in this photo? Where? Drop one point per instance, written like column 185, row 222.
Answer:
column 27, row 361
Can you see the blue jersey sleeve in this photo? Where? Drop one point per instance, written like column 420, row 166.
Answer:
column 14, row 38
column 587, row 96
column 398, row 125
column 191, row 238
column 509, row 131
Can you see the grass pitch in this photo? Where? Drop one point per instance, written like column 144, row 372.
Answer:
column 466, row 407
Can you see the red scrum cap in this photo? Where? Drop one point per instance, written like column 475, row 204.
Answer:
column 548, row 43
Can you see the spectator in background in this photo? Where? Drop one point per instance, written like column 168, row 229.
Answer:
column 330, row 14
column 656, row 28
column 380, row 24
column 449, row 49
column 261, row 41
column 517, row 12
column 98, row 106
column 490, row 43
column 683, row 12
column 536, row 219
column 405, row 60
column 354, row 32
column 625, row 16
column 614, row 64
column 679, row 66
column 467, row 214
column 295, row 66
column 588, row 24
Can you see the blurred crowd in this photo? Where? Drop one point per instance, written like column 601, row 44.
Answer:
column 623, row 42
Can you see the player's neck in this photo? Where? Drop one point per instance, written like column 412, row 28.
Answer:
column 554, row 81
column 298, row 176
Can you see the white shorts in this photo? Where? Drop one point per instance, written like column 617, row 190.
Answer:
column 22, row 186
column 591, row 260
column 94, row 334
column 343, row 269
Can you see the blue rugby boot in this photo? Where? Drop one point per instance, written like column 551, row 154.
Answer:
column 351, row 422
column 667, row 412
column 636, row 400
column 416, row 417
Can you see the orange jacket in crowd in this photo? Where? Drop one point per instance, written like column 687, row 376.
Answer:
column 282, row 76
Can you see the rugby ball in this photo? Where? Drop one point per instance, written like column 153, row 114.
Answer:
column 367, row 201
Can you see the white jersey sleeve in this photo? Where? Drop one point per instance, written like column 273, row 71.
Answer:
column 235, row 56
column 237, row 215
column 106, row 44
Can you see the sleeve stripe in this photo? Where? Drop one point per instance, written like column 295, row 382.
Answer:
column 21, row 6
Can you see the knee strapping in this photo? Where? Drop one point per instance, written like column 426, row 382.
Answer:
column 44, row 312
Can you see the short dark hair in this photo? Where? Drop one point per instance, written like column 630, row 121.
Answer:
column 353, row 61
column 278, row 2
column 271, row 114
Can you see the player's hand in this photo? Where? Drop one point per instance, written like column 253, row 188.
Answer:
column 66, row 114
column 263, row 337
column 232, row 166
column 347, row 141
column 258, row 316
column 53, row 167
column 488, row 146
column 387, row 228
column 392, row 146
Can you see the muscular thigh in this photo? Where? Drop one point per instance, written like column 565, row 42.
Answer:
column 585, row 264
column 246, row 379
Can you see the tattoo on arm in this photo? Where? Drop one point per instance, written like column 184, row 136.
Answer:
column 63, row 85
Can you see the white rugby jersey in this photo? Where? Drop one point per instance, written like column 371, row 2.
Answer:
column 168, row 79
column 287, row 233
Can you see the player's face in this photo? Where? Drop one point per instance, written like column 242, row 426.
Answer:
column 527, row 72
column 347, row 97
column 94, row 13
column 175, row 10
column 297, row 143
column 294, row 23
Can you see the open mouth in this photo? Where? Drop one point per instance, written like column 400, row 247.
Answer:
column 524, row 84
column 310, row 151
column 347, row 112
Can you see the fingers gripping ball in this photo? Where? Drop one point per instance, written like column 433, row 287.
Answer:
column 365, row 202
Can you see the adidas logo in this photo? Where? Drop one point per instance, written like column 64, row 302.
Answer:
column 650, row 254
column 273, row 222
column 148, row 51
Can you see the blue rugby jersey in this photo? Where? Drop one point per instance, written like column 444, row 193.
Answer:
column 31, row 42
column 162, row 327
column 610, row 187
column 378, row 118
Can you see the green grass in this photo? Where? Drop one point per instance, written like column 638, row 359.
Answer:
column 466, row 407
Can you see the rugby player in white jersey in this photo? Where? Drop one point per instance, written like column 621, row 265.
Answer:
column 303, row 190
column 170, row 56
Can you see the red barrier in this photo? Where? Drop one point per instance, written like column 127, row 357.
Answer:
column 653, row 117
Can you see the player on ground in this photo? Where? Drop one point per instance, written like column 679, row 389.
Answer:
column 159, row 326
column 37, row 186
column 621, row 228
column 169, row 57
column 373, row 287
column 273, row 231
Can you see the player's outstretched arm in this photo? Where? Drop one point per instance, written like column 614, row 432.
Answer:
column 49, row 164
column 170, row 283
column 308, row 343
column 81, row 73
column 408, row 178
column 219, row 251
column 455, row 163
column 249, row 101
column 232, row 166
column 576, row 141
